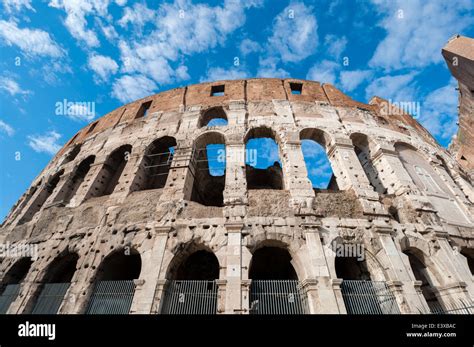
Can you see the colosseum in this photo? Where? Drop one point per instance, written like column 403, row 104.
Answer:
column 128, row 217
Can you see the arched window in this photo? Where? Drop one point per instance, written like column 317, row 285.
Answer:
column 55, row 284
column 10, row 285
column 191, row 287
column 275, row 288
column 111, row 172
column 208, row 169
column 155, row 165
column 41, row 198
column 76, row 180
column 314, row 144
column 214, row 116
column 363, row 150
column 263, row 167
column 114, row 285
column 72, row 154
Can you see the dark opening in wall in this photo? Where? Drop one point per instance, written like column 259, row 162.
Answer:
column 72, row 154
column 214, row 116
column 350, row 268
column 296, row 88
column 111, row 172
column 17, row 272
column 263, row 169
column 76, row 180
column 92, row 127
column 469, row 254
column 218, row 90
column 421, row 274
column 10, row 285
column 208, row 169
column 121, row 265
column 143, row 110
column 364, row 153
column 155, row 165
column 41, row 198
column 199, row 266
column 272, row 263
column 54, row 285
column 314, row 144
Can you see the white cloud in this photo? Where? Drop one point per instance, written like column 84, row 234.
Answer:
column 350, row 80
column 248, row 46
column 138, row 16
column 32, row 42
column 324, row 72
column 295, row 34
column 12, row 87
column 76, row 22
column 121, row 2
column 46, row 143
column 128, row 88
column 219, row 73
column 439, row 111
column 397, row 88
column 7, row 129
column 417, row 29
column 335, row 45
column 103, row 66
column 17, row 5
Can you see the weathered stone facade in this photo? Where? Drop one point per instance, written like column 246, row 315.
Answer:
column 400, row 195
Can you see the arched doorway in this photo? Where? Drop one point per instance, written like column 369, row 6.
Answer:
column 274, row 287
column 10, row 285
column 191, row 286
column 114, row 285
column 55, row 284
column 361, row 294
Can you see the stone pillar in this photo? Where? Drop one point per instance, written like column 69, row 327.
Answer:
column 221, row 296
column 296, row 174
column 126, row 180
column 336, row 287
column 321, row 296
column 145, row 294
column 88, row 186
column 351, row 175
column 398, row 277
column 181, row 175
column 235, row 192
column 233, row 276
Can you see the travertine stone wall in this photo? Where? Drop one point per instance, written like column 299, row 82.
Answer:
column 404, row 213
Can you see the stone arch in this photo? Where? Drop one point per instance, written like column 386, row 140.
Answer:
column 46, row 191
column 269, row 176
column 54, row 283
column 181, row 266
column 10, row 284
column 72, row 153
column 155, row 165
column 114, row 283
column 208, row 115
column 111, row 171
column 297, row 252
column 208, row 168
column 364, row 148
column 318, row 142
column 75, row 181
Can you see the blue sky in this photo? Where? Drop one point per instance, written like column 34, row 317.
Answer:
column 110, row 52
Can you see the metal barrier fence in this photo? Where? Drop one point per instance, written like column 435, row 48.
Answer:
column 461, row 307
column 50, row 298
column 111, row 297
column 277, row 297
column 8, row 296
column 368, row 297
column 190, row 297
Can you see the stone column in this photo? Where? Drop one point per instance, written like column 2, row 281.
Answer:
column 145, row 294
column 235, row 192
column 233, row 294
column 336, row 287
column 398, row 276
column 321, row 296
column 126, row 180
column 296, row 174
column 350, row 174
